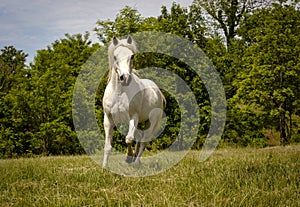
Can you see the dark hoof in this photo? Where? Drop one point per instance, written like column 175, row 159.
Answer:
column 130, row 159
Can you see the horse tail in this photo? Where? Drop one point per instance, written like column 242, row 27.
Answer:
column 157, row 125
column 164, row 101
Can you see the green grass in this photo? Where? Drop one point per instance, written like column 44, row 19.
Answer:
column 231, row 177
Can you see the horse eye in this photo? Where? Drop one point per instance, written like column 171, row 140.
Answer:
column 115, row 58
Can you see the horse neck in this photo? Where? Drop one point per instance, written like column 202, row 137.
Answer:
column 114, row 81
column 113, row 78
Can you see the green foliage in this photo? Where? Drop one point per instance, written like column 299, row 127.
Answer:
column 225, row 14
column 126, row 22
column 244, row 127
column 270, row 75
column 12, row 63
column 38, row 116
column 13, row 76
column 258, row 63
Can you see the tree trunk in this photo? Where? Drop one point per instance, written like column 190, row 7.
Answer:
column 290, row 130
column 282, row 130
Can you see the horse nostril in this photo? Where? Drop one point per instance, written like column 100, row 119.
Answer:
column 121, row 77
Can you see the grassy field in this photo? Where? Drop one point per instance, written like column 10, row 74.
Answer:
column 231, row 177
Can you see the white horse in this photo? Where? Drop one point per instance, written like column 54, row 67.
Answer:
column 129, row 99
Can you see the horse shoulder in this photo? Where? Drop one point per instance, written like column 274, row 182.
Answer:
column 107, row 100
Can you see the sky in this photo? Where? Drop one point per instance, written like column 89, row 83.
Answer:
column 30, row 25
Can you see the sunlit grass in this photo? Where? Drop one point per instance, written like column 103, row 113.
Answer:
column 231, row 177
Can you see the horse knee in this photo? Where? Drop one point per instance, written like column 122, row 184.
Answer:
column 129, row 139
column 107, row 148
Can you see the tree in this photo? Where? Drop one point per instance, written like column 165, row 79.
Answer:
column 12, row 64
column 128, row 21
column 36, row 114
column 13, row 73
column 227, row 14
column 175, row 21
column 54, row 71
column 270, row 79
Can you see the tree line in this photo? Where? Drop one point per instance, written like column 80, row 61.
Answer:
column 254, row 45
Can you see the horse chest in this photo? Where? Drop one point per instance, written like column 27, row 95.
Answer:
column 120, row 108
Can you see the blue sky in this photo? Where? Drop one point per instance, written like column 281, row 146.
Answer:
column 30, row 25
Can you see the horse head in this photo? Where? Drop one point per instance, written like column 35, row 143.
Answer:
column 122, row 60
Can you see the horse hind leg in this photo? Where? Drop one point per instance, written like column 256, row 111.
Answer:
column 152, row 127
column 140, row 151
column 140, row 146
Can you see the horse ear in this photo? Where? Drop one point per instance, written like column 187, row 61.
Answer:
column 115, row 41
column 129, row 39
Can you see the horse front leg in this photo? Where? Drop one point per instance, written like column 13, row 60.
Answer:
column 130, row 137
column 108, row 128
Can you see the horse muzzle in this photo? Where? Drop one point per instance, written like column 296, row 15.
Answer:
column 125, row 79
